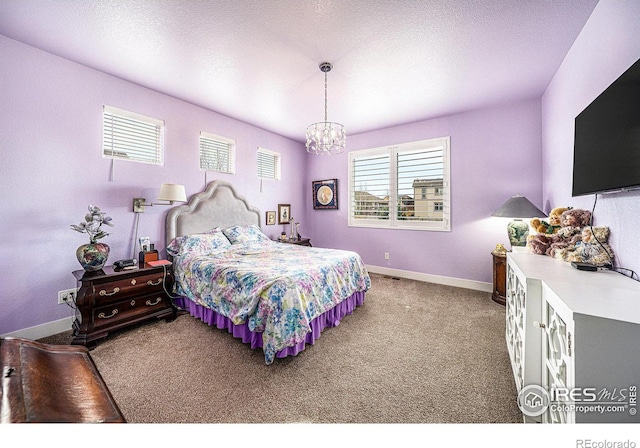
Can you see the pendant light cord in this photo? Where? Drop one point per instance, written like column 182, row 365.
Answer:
column 325, row 97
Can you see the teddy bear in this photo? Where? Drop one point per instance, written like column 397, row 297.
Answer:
column 571, row 222
column 563, row 247
column 593, row 247
column 539, row 243
column 553, row 225
column 575, row 217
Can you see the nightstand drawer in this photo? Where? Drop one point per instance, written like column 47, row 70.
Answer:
column 117, row 290
column 128, row 309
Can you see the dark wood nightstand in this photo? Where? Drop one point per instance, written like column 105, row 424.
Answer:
column 499, row 277
column 110, row 300
column 298, row 241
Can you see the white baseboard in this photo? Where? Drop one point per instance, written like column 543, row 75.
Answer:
column 44, row 330
column 439, row 279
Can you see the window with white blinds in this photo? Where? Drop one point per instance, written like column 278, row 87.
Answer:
column 217, row 153
column 130, row 136
column 268, row 164
column 405, row 186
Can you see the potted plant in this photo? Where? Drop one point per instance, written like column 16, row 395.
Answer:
column 93, row 256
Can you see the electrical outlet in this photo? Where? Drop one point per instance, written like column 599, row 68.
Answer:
column 68, row 295
column 386, row 255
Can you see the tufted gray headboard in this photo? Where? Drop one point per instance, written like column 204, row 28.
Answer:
column 218, row 206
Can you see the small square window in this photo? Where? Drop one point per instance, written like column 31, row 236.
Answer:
column 217, row 153
column 268, row 164
column 131, row 136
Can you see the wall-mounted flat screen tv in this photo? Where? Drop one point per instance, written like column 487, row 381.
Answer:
column 606, row 153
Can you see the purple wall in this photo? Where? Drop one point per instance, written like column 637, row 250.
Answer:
column 51, row 168
column 608, row 45
column 495, row 154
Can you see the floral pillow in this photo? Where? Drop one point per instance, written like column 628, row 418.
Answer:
column 201, row 243
column 245, row 234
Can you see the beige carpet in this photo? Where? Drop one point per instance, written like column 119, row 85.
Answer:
column 413, row 353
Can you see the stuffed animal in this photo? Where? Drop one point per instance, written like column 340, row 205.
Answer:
column 539, row 225
column 593, row 248
column 564, row 247
column 572, row 222
column 575, row 217
column 566, row 237
column 538, row 243
column 553, row 225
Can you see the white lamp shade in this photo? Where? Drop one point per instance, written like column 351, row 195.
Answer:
column 172, row 193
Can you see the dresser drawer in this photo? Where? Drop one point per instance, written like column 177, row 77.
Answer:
column 114, row 291
column 129, row 309
column 110, row 300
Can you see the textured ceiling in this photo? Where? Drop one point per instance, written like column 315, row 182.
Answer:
column 394, row 61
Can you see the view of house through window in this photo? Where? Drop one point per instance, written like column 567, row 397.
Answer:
column 403, row 186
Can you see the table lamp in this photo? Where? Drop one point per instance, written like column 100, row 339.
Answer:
column 518, row 207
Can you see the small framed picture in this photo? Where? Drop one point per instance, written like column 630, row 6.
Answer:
column 271, row 218
column 284, row 213
column 145, row 243
column 325, row 194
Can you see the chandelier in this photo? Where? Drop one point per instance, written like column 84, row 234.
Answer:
column 326, row 138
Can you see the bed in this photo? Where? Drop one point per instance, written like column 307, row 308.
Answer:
column 274, row 296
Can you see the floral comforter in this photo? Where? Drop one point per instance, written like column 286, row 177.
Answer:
column 277, row 288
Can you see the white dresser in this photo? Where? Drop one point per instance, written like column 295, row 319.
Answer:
column 576, row 335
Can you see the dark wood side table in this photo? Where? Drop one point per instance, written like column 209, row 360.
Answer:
column 499, row 277
column 43, row 383
column 298, row 241
column 110, row 300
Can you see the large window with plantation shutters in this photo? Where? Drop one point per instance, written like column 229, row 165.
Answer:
column 217, row 153
column 131, row 136
column 405, row 186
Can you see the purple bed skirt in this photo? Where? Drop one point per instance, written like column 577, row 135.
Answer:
column 330, row 318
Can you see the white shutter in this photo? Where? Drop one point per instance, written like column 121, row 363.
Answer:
column 369, row 187
column 130, row 136
column 420, row 183
column 405, row 186
column 217, row 153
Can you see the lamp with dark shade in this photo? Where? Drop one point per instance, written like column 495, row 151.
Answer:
column 518, row 207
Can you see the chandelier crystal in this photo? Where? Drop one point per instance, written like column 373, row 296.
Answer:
column 326, row 138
